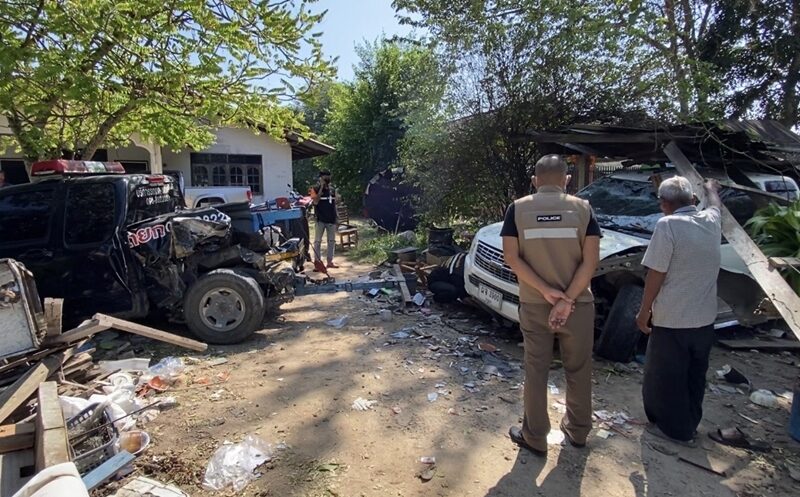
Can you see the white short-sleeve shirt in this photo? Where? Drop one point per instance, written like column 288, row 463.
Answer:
column 685, row 245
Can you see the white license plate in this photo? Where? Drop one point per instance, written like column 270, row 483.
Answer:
column 490, row 296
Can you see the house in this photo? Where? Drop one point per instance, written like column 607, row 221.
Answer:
column 238, row 156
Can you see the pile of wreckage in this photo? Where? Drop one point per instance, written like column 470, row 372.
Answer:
column 68, row 424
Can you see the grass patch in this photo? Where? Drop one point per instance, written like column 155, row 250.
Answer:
column 373, row 246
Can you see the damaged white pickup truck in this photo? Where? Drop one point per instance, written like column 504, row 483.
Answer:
column 627, row 210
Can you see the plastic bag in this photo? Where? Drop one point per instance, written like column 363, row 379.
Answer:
column 338, row 322
column 234, row 464
column 167, row 369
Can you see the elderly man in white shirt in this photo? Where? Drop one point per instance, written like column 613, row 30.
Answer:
column 679, row 307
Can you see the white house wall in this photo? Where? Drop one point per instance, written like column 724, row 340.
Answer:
column 276, row 158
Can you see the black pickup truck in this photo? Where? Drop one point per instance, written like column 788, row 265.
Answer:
column 122, row 244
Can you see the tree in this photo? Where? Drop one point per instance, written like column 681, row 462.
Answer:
column 521, row 66
column 78, row 75
column 396, row 83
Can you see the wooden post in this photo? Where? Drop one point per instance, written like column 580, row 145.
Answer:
column 52, row 446
column 581, row 174
column 52, row 315
column 783, row 297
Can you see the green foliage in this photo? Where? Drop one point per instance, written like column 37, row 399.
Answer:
column 522, row 67
column 776, row 230
column 376, row 246
column 81, row 74
column 367, row 120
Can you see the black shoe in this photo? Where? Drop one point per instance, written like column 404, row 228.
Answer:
column 515, row 432
column 569, row 438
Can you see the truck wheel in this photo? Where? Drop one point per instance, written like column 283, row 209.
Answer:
column 224, row 307
column 620, row 334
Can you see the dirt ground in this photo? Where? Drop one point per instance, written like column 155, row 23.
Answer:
column 296, row 381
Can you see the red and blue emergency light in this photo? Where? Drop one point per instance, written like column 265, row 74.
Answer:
column 50, row 168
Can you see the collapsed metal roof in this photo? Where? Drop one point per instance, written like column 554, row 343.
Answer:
column 766, row 146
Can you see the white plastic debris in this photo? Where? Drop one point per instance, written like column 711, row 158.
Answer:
column 418, row 299
column 604, row 434
column 338, row 323
column 361, row 404
column 427, row 460
column 553, row 389
column 555, row 437
column 400, row 335
column 764, row 398
column 433, row 396
column 233, row 464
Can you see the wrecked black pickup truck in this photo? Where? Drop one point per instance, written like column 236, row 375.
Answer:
column 121, row 244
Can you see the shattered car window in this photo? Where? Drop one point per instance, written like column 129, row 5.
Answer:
column 623, row 204
column 90, row 213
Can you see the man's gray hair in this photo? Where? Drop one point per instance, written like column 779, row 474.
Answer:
column 551, row 164
column 676, row 190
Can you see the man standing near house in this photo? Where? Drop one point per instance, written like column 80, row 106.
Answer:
column 679, row 307
column 325, row 198
column 552, row 242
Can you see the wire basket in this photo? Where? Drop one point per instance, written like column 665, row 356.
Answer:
column 89, row 453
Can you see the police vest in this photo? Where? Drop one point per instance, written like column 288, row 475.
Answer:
column 551, row 229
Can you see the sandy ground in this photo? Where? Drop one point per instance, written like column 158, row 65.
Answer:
column 296, row 381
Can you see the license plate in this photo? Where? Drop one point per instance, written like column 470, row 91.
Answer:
column 490, row 296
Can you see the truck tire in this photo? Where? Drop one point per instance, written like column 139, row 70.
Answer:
column 620, row 334
column 224, row 307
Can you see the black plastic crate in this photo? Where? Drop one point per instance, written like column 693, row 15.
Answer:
column 85, row 457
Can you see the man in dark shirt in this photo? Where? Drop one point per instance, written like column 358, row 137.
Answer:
column 325, row 198
column 551, row 241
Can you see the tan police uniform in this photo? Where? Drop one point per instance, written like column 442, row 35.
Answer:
column 551, row 229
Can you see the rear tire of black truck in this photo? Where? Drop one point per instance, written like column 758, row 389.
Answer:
column 620, row 334
column 224, row 307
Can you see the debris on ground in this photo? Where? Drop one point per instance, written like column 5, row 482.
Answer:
column 361, row 404
column 233, row 465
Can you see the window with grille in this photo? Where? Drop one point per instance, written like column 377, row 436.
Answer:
column 227, row 170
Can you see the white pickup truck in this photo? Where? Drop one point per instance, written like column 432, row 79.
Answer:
column 212, row 195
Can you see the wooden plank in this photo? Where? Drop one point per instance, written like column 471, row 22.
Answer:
column 52, row 445
column 17, row 394
column 16, row 437
column 85, row 330
column 100, row 474
column 784, row 262
column 402, row 282
column 52, row 315
column 146, row 331
column 775, row 344
column 30, row 358
column 778, row 291
column 11, row 466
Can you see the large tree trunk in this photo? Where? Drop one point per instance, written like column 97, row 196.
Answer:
column 105, row 128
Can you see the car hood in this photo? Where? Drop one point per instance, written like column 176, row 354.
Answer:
column 613, row 242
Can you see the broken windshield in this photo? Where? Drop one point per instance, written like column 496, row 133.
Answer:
column 623, row 204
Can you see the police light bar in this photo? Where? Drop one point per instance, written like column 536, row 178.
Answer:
column 50, row 168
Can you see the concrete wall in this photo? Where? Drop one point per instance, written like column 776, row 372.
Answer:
column 276, row 158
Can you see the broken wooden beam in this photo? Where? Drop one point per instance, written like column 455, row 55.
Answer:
column 17, row 436
column 102, row 322
column 23, row 389
column 52, row 315
column 52, row 444
column 784, row 262
column 401, row 280
column 85, row 330
column 774, row 345
column 146, row 331
column 778, row 291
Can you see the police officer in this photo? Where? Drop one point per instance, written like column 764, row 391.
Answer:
column 552, row 242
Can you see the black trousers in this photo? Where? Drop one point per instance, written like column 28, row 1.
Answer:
column 675, row 379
